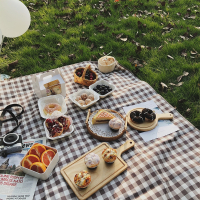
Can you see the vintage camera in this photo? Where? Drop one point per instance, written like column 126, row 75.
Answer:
column 10, row 143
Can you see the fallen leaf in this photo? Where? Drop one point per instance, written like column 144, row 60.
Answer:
column 181, row 100
column 13, row 70
column 123, row 39
column 170, row 57
column 71, row 56
column 179, row 14
column 188, row 110
column 101, row 47
column 193, row 53
column 35, row 46
column 184, row 74
column 13, row 64
column 59, row 44
column 179, row 84
column 92, row 46
column 160, row 47
column 192, row 17
column 41, row 56
column 163, row 86
column 172, row 84
column 138, row 50
column 5, row 56
column 183, row 37
column 119, row 35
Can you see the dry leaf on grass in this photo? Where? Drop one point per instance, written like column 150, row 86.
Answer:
column 13, row 64
column 184, row 74
column 123, row 39
column 163, row 86
column 71, row 56
column 170, row 57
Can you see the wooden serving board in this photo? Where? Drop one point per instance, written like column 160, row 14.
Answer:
column 101, row 175
column 147, row 125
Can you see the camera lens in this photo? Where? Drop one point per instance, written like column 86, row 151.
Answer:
column 10, row 138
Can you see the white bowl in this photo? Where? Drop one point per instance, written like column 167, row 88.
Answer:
column 49, row 169
column 59, row 99
column 106, row 68
column 64, row 134
column 103, row 82
column 87, row 91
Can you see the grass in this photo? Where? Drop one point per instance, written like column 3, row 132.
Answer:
column 60, row 28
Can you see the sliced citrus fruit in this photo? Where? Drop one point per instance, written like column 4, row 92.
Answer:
column 29, row 160
column 38, row 167
column 37, row 150
column 47, row 157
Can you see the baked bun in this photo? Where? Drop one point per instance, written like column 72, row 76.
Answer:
column 91, row 97
column 78, row 98
column 82, row 179
column 149, row 114
column 115, row 124
column 87, row 101
column 84, row 96
column 92, row 160
column 81, row 102
column 109, row 155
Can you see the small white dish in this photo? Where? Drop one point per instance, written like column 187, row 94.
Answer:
column 64, row 134
column 87, row 91
column 59, row 99
column 103, row 82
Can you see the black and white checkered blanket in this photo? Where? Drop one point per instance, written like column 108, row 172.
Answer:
column 165, row 168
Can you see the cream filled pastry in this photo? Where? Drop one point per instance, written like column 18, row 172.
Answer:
column 92, row 160
column 109, row 155
column 115, row 124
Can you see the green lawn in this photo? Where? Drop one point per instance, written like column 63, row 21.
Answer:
column 143, row 32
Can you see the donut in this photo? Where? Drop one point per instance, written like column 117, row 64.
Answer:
column 149, row 114
column 136, row 116
column 50, row 108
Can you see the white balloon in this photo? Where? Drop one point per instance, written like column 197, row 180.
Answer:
column 15, row 18
column 0, row 37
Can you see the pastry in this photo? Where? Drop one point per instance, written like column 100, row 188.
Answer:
column 87, row 101
column 65, row 122
column 54, row 127
column 53, row 87
column 102, row 117
column 84, row 96
column 136, row 116
column 115, row 124
column 81, row 102
column 149, row 114
column 50, row 108
column 92, row 160
column 91, row 97
column 109, row 155
column 82, row 179
column 78, row 98
column 85, row 76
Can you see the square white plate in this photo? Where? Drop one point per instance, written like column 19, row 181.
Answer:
column 64, row 134
column 103, row 82
column 59, row 99
column 87, row 91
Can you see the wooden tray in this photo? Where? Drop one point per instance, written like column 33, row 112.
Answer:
column 102, row 138
column 147, row 125
column 100, row 176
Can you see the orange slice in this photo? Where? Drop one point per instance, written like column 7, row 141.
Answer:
column 47, row 157
column 37, row 150
column 29, row 160
column 38, row 167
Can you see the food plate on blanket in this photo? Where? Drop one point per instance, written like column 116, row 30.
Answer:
column 146, row 125
column 101, row 130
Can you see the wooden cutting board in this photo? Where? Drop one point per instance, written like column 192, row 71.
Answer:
column 100, row 176
column 147, row 125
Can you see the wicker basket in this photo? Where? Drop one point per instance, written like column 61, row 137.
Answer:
column 82, row 79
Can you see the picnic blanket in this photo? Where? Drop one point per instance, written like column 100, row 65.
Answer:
column 164, row 168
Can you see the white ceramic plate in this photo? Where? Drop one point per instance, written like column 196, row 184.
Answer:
column 87, row 91
column 64, row 134
column 103, row 82
column 59, row 99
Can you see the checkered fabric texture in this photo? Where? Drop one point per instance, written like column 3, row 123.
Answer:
column 164, row 168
